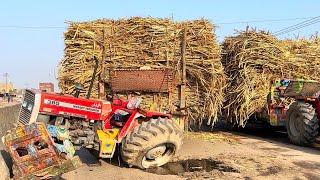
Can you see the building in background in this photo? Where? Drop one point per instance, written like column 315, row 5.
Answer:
column 46, row 87
column 6, row 87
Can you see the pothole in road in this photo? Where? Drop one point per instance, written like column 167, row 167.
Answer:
column 191, row 166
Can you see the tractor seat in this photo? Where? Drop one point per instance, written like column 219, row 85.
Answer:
column 121, row 117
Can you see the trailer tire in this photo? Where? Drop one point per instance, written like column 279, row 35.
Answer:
column 152, row 144
column 302, row 123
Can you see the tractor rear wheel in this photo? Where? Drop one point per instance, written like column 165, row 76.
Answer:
column 302, row 123
column 152, row 144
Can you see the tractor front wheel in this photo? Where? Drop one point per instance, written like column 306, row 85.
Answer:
column 152, row 144
column 302, row 123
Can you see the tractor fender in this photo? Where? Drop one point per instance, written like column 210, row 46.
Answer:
column 150, row 114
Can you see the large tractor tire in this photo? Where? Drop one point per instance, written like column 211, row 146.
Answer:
column 302, row 124
column 152, row 144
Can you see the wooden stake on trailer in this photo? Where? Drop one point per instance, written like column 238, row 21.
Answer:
column 183, row 78
column 167, row 71
column 102, row 94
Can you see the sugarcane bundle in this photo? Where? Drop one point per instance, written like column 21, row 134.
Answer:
column 252, row 60
column 304, row 57
column 153, row 43
column 205, row 73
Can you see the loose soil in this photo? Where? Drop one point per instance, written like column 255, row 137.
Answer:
column 222, row 155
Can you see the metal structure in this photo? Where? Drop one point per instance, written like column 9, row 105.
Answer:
column 126, row 80
column 102, row 125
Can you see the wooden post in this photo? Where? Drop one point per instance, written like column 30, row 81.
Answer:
column 183, row 77
column 167, row 73
column 102, row 93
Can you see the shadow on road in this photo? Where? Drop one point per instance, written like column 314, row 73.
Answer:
column 276, row 135
column 7, row 158
column 87, row 158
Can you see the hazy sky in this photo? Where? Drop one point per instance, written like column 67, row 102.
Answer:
column 31, row 32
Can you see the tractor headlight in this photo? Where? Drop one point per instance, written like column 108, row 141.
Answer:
column 24, row 104
column 30, row 107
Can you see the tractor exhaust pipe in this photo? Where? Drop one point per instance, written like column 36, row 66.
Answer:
column 93, row 76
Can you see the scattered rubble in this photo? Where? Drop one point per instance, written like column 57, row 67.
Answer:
column 35, row 153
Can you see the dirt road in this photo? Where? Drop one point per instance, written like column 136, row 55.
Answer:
column 219, row 155
column 224, row 156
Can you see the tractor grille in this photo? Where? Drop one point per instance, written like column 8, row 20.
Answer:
column 26, row 107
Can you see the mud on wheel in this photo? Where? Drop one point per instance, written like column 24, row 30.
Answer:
column 302, row 123
column 152, row 144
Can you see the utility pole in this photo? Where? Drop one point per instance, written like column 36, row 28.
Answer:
column 6, row 76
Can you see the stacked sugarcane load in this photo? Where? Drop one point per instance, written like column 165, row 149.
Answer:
column 305, row 53
column 252, row 59
column 148, row 43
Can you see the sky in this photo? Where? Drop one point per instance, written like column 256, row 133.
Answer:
column 31, row 32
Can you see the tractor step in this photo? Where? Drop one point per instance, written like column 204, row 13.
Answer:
column 108, row 142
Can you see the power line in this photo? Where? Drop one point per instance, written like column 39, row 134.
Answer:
column 301, row 23
column 32, row 27
column 298, row 26
column 265, row 20
column 311, row 19
column 221, row 23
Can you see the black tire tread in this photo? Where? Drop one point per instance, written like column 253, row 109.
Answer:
column 139, row 140
column 310, row 125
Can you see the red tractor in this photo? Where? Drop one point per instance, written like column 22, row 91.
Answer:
column 295, row 104
column 146, row 139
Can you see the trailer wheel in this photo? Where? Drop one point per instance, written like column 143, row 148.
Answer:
column 152, row 144
column 302, row 124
